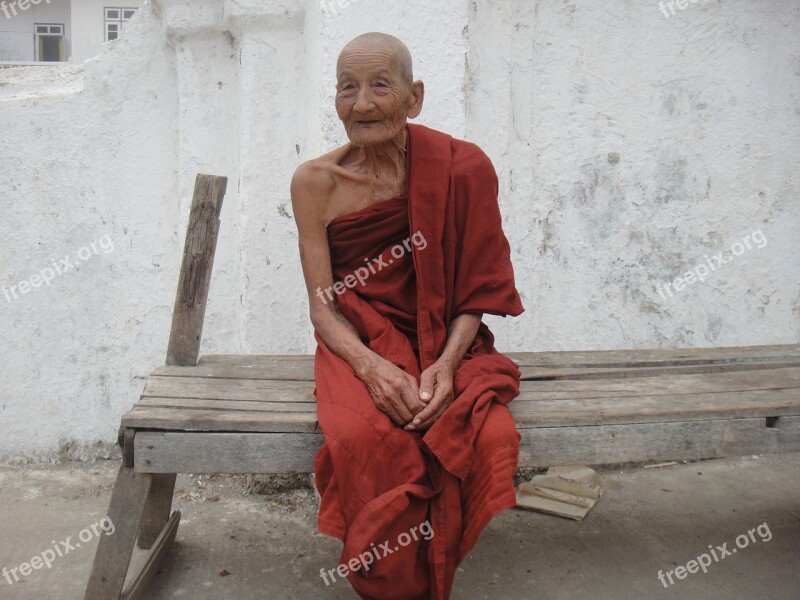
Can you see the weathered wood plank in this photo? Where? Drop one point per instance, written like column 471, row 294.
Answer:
column 605, row 444
column 299, row 369
column 685, row 407
column 229, row 405
column 137, row 590
column 655, row 356
column 265, row 390
column 618, row 363
column 788, row 431
column 159, row 452
column 257, row 390
column 208, row 420
column 113, row 555
column 526, row 412
column 735, row 381
column 302, row 369
column 580, row 358
column 530, row 373
column 156, row 511
column 162, row 452
column 196, row 267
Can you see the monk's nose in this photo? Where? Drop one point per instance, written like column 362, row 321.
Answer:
column 364, row 100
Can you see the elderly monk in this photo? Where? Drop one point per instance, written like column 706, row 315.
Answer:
column 403, row 251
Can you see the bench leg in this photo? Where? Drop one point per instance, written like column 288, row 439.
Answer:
column 156, row 509
column 129, row 500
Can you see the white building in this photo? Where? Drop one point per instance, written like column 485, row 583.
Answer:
column 59, row 30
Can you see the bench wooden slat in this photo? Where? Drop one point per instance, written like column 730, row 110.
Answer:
column 655, row 356
column 230, row 405
column 578, row 358
column 171, row 452
column 685, row 383
column 304, row 370
column 243, row 415
column 210, row 420
column 563, row 373
column 242, row 403
column 257, row 390
column 268, row 416
column 534, row 365
column 268, row 390
column 604, row 444
column 685, row 407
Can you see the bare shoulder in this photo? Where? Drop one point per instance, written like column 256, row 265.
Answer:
column 317, row 174
column 313, row 177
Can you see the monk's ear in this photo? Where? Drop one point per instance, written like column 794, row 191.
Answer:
column 416, row 98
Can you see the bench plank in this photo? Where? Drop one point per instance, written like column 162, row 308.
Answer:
column 269, row 416
column 604, row 444
column 168, row 452
column 261, row 390
column 304, row 371
column 241, row 399
column 210, row 420
column 617, row 363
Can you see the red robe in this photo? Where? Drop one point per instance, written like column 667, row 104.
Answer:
column 379, row 482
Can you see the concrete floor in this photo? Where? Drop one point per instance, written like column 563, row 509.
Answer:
column 648, row 520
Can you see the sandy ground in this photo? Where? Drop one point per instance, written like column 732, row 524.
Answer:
column 233, row 543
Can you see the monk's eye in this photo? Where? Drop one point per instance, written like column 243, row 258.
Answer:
column 346, row 87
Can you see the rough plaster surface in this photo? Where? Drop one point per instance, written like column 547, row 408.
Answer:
column 628, row 146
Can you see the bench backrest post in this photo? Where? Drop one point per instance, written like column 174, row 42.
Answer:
column 195, row 277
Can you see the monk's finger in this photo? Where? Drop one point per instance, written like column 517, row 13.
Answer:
column 442, row 396
column 444, row 387
column 383, row 400
column 426, row 384
column 430, row 422
column 425, row 414
column 410, row 397
column 401, row 402
column 390, row 412
column 427, row 423
column 402, row 412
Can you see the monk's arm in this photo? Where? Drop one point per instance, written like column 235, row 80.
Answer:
column 393, row 391
column 437, row 380
column 460, row 336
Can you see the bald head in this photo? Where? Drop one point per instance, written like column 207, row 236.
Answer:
column 375, row 89
column 381, row 43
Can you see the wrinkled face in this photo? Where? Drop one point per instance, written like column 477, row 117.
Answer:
column 372, row 99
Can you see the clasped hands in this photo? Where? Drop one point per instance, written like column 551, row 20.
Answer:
column 415, row 407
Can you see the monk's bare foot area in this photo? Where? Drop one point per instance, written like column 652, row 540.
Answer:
column 250, row 546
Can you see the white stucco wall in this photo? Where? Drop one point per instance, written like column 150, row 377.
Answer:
column 629, row 146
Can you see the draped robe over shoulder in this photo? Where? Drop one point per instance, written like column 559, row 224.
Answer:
column 435, row 253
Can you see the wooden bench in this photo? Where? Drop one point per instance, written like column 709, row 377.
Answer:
column 256, row 414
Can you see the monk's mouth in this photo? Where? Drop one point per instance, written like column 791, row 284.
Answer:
column 367, row 122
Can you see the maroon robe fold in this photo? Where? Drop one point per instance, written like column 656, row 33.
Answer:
column 377, row 480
